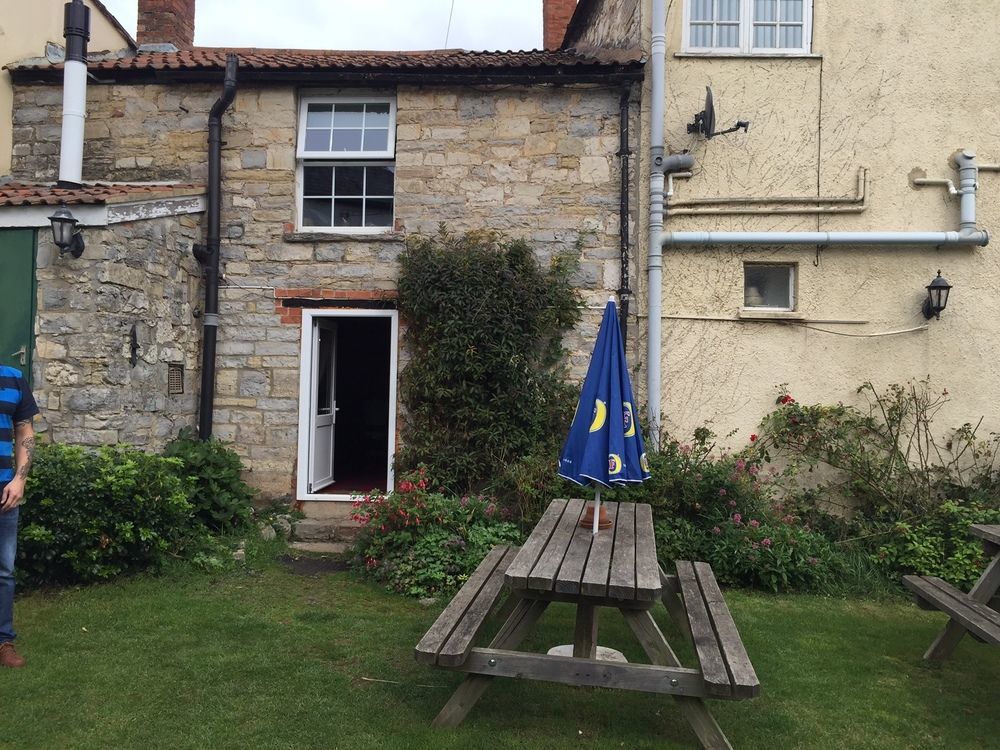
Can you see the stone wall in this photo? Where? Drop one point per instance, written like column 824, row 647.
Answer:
column 137, row 274
column 611, row 23
column 537, row 163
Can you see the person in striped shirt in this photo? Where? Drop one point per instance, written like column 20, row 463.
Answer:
column 17, row 444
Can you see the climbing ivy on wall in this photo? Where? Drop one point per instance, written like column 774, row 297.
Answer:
column 485, row 383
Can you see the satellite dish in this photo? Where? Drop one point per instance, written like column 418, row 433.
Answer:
column 704, row 121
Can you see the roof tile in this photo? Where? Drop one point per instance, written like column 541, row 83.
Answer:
column 27, row 194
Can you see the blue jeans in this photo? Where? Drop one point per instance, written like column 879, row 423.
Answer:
column 8, row 547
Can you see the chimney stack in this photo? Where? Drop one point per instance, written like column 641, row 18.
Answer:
column 556, row 15
column 166, row 22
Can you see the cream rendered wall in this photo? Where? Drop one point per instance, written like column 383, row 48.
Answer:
column 25, row 27
column 890, row 86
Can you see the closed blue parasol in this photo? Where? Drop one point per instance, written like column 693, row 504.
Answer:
column 604, row 446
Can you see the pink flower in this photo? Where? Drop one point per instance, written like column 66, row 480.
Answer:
column 737, row 519
column 422, row 484
column 731, row 503
column 685, row 449
column 753, row 470
column 754, row 523
column 406, row 486
column 789, row 519
column 754, row 545
column 766, row 541
column 722, row 492
column 740, row 464
column 464, row 501
column 716, row 530
column 491, row 509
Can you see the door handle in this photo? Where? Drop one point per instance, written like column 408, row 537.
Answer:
column 23, row 354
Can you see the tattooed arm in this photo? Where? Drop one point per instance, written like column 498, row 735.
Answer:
column 24, row 450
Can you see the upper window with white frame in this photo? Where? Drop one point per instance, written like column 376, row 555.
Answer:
column 769, row 287
column 748, row 27
column 346, row 162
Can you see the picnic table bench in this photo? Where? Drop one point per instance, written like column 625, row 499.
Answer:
column 564, row 562
column 976, row 613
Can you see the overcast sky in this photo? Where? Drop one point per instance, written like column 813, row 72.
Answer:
column 360, row 24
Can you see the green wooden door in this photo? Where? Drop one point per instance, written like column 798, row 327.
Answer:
column 17, row 298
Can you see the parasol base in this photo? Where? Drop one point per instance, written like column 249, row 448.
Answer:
column 603, row 653
column 587, row 521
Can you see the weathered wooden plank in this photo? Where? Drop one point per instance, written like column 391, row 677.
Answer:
column 513, row 631
column 595, row 575
column 744, row 678
column 647, row 569
column 989, row 532
column 702, row 723
column 456, row 648
column 519, row 570
column 621, row 578
column 671, row 598
column 974, row 616
column 706, row 644
column 543, row 575
column 429, row 646
column 568, row 670
column 575, row 562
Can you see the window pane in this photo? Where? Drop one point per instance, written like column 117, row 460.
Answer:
column 316, row 212
column 350, row 181
column 318, row 140
column 767, row 286
column 765, row 10
column 317, row 180
column 791, row 37
column 765, row 36
column 376, row 140
column 701, row 10
column 791, row 10
column 319, row 115
column 376, row 115
column 349, row 116
column 729, row 10
column 346, row 140
column 701, row 35
column 728, row 35
column 348, row 212
column 380, row 181
column 378, row 213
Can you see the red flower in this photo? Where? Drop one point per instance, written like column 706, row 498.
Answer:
column 406, row 486
column 786, row 399
column 753, row 438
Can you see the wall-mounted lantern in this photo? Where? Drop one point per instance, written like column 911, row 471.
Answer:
column 937, row 297
column 64, row 232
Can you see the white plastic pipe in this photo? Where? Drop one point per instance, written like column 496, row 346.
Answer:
column 654, row 261
column 73, row 120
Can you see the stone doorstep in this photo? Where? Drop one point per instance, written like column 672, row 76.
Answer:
column 325, row 530
column 324, row 548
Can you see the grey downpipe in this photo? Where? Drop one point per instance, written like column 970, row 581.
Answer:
column 967, row 234
column 624, row 154
column 659, row 166
column 209, row 255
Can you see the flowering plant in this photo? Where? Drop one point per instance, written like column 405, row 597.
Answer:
column 420, row 541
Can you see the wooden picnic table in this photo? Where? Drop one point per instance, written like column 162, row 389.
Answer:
column 562, row 561
column 977, row 612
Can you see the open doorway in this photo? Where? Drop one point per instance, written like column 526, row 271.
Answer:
column 347, row 402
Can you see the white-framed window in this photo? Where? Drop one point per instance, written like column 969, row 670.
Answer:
column 346, row 163
column 769, row 287
column 748, row 27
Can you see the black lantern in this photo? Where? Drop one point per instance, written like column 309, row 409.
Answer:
column 937, row 297
column 64, row 232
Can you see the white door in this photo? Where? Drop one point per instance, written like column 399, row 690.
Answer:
column 323, row 414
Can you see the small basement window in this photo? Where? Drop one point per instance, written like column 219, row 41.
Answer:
column 769, row 287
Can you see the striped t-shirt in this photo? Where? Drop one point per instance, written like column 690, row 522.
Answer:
column 16, row 405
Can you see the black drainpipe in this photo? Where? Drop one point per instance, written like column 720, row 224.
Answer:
column 624, row 152
column 208, row 254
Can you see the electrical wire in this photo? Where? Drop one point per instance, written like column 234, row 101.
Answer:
column 448, row 32
column 861, row 335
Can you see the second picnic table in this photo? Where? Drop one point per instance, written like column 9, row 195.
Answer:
column 564, row 562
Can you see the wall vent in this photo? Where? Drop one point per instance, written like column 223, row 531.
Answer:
column 175, row 380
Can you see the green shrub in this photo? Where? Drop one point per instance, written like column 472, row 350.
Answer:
column 90, row 516
column 422, row 543
column 938, row 543
column 220, row 497
column 484, row 385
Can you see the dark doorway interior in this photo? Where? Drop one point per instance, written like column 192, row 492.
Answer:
column 361, row 445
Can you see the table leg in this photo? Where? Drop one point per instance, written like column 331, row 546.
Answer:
column 585, row 635
column 702, row 723
column 525, row 614
column 984, row 590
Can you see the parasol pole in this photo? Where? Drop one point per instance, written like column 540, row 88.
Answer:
column 597, row 508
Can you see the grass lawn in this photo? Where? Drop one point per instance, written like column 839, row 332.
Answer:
column 270, row 658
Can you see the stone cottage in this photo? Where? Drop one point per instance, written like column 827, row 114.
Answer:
column 328, row 161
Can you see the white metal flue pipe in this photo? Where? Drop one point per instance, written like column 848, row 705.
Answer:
column 76, row 31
